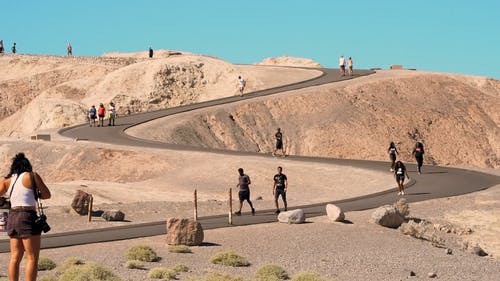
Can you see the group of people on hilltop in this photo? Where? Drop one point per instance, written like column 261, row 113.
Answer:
column 96, row 116
column 399, row 169
column 343, row 65
column 2, row 48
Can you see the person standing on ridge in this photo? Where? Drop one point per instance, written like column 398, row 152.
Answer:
column 101, row 113
column 393, row 151
column 418, row 152
column 399, row 173
column 244, row 191
column 70, row 49
column 342, row 65
column 280, row 187
column 1, row 47
column 350, row 64
column 279, row 143
column 150, row 52
column 241, row 85
column 14, row 48
column 112, row 114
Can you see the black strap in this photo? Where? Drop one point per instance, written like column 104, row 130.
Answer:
column 33, row 185
column 12, row 189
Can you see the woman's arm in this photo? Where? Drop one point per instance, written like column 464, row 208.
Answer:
column 44, row 190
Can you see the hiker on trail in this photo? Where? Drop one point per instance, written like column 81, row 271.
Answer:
column 399, row 173
column 22, row 224
column 112, row 114
column 14, row 49
column 418, row 152
column 241, row 85
column 350, row 64
column 279, row 143
column 393, row 151
column 342, row 65
column 70, row 49
column 244, row 191
column 150, row 52
column 101, row 112
column 92, row 116
column 280, row 187
column 1, row 47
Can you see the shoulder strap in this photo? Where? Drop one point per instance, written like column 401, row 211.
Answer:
column 12, row 189
column 33, row 185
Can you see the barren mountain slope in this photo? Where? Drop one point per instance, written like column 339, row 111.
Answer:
column 455, row 116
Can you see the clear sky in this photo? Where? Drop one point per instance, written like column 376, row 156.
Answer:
column 459, row 36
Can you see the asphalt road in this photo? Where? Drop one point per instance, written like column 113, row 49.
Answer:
column 435, row 182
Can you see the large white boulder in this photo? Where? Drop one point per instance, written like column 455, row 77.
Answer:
column 294, row 216
column 334, row 213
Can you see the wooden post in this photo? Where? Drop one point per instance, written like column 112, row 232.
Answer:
column 90, row 207
column 230, row 206
column 195, row 205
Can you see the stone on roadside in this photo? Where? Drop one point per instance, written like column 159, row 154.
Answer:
column 334, row 213
column 294, row 216
column 184, row 232
column 432, row 275
column 113, row 215
column 81, row 202
column 412, row 274
column 387, row 216
column 449, row 251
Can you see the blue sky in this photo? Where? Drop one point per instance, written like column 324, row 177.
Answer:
column 446, row 36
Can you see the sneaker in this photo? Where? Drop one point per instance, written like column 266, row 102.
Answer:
column 238, row 213
column 277, row 212
column 402, row 193
column 399, row 193
column 253, row 212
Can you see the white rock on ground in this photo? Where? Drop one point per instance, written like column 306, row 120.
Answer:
column 334, row 213
column 292, row 217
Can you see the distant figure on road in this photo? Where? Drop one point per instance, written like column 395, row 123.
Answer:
column 244, row 191
column 150, row 52
column 92, row 116
column 14, row 49
column 418, row 152
column 241, row 85
column 101, row 112
column 393, row 151
column 279, row 188
column 342, row 65
column 112, row 114
column 1, row 47
column 279, row 143
column 70, row 49
column 350, row 65
column 399, row 173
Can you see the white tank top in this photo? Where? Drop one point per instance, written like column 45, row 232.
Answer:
column 21, row 195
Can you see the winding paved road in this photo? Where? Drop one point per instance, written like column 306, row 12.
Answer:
column 435, row 182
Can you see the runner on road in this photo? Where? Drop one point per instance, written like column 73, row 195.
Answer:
column 399, row 173
column 418, row 152
column 280, row 187
column 244, row 191
column 393, row 151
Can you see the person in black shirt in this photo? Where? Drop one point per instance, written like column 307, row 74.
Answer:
column 150, row 52
column 399, row 174
column 393, row 151
column 279, row 188
column 418, row 152
column 279, row 142
column 244, row 191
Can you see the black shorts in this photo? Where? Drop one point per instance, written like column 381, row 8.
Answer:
column 400, row 178
column 279, row 192
column 393, row 157
column 279, row 144
column 244, row 195
column 21, row 224
column 101, row 116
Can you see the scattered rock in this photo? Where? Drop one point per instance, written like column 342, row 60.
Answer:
column 259, row 198
column 294, row 216
column 422, row 230
column 432, row 275
column 473, row 248
column 412, row 274
column 113, row 215
column 387, row 216
column 403, row 207
column 449, row 251
column 334, row 213
column 450, row 228
column 81, row 202
column 184, row 232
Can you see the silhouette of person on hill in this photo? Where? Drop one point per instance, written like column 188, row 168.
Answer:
column 244, row 191
column 70, row 49
column 150, row 52
column 14, row 48
column 1, row 47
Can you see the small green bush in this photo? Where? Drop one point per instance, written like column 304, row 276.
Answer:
column 45, row 264
column 271, row 272
column 88, row 272
column 183, row 249
column 162, row 273
column 141, row 253
column 181, row 268
column 134, row 264
column 308, row 276
column 229, row 259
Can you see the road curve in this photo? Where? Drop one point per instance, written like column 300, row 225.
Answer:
column 435, row 182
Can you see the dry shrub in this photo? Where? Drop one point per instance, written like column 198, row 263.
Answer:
column 133, row 264
column 270, row 272
column 308, row 276
column 229, row 259
column 88, row 272
column 183, row 249
column 180, row 268
column 45, row 264
column 162, row 273
column 216, row 276
column 141, row 253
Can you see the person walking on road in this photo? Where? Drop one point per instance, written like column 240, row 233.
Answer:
column 244, row 191
column 241, row 85
column 393, row 151
column 418, row 152
column 280, row 187
column 92, row 116
column 279, row 143
column 112, row 114
column 342, row 65
column 350, row 64
column 399, row 173
column 24, row 188
column 101, row 113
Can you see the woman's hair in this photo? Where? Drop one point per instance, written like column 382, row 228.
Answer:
column 400, row 164
column 392, row 144
column 20, row 164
